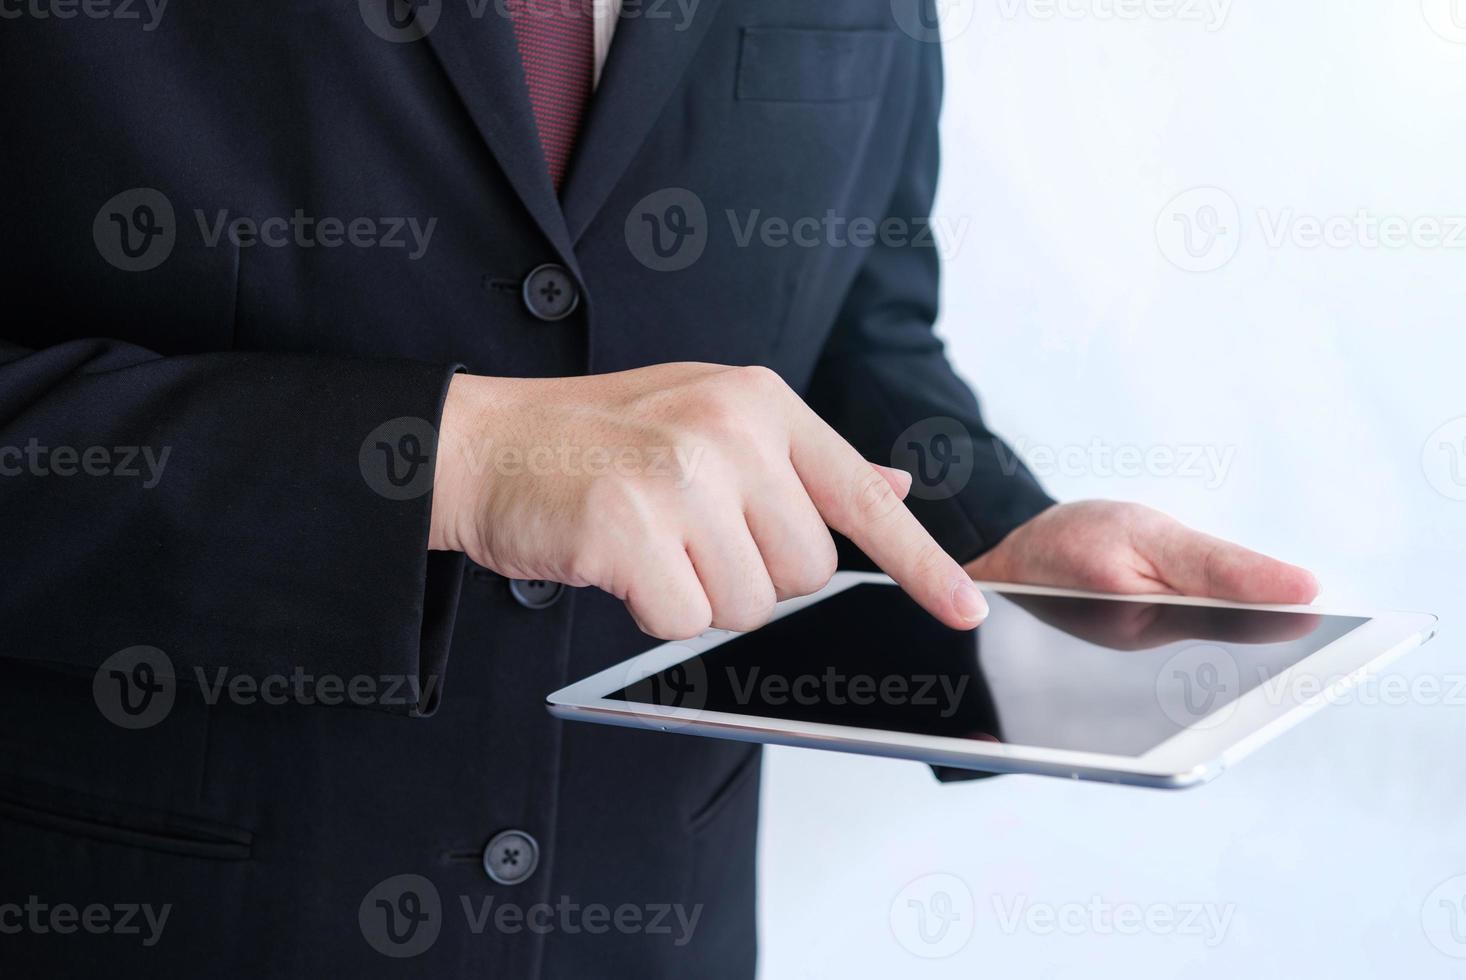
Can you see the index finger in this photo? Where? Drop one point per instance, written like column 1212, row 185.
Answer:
column 856, row 499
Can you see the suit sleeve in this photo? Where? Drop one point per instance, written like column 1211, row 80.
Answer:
column 884, row 381
column 266, row 514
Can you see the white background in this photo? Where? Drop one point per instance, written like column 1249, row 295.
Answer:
column 1321, row 373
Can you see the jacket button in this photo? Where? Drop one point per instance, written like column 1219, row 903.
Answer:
column 549, row 293
column 511, row 857
column 535, row 593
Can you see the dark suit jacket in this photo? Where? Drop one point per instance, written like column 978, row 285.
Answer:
column 267, row 546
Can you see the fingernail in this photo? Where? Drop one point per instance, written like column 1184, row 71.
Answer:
column 968, row 602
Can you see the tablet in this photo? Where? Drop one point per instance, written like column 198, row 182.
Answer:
column 1161, row 691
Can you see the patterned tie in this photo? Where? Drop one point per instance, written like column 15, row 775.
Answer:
column 557, row 46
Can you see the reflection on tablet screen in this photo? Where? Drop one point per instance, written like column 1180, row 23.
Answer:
column 1092, row 675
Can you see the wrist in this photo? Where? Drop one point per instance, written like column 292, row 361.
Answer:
column 455, row 505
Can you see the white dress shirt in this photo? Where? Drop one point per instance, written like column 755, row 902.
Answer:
column 607, row 12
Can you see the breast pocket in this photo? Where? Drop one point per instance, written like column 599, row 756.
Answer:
column 785, row 64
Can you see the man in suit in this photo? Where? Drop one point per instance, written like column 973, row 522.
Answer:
column 373, row 370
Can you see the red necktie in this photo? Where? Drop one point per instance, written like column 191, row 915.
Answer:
column 557, row 46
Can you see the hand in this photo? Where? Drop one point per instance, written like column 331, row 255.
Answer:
column 1105, row 546
column 697, row 494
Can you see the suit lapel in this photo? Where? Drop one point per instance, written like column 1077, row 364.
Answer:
column 648, row 57
column 476, row 47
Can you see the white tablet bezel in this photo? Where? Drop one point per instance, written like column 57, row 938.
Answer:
column 1194, row 755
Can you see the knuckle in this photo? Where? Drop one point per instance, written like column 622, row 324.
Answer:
column 828, row 561
column 872, row 501
column 747, row 615
column 760, row 380
column 670, row 623
column 810, row 575
column 719, row 414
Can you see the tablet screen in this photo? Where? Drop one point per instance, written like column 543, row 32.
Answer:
column 1092, row 675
